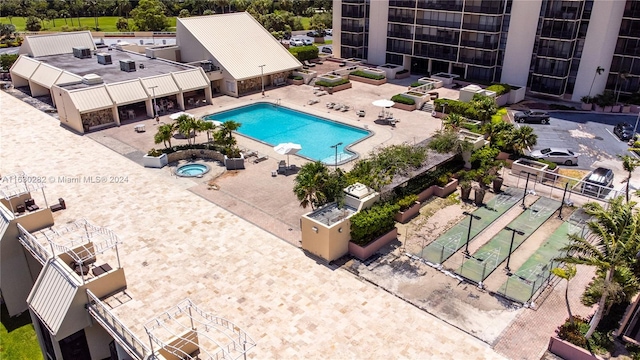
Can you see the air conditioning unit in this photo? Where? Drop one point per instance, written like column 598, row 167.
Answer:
column 206, row 66
column 82, row 52
column 92, row 79
column 104, row 58
column 128, row 65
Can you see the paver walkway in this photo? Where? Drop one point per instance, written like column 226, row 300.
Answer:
column 177, row 245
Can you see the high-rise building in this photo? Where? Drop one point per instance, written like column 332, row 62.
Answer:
column 563, row 48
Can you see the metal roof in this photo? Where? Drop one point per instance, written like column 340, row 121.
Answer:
column 59, row 43
column 52, row 296
column 46, row 75
column 67, row 78
column 127, row 92
column 165, row 85
column 91, row 99
column 226, row 37
column 24, row 66
column 191, row 79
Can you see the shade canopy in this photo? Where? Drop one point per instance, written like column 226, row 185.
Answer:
column 383, row 103
column 178, row 114
column 287, row 148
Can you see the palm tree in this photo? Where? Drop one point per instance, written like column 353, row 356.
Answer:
column 521, row 138
column 164, row 135
column 495, row 131
column 453, row 121
column 567, row 272
column 224, row 136
column 612, row 245
column 207, row 126
column 629, row 164
column 599, row 71
column 309, row 185
column 185, row 125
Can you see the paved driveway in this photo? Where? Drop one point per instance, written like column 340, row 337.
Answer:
column 589, row 134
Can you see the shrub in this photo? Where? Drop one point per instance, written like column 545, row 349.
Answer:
column 500, row 89
column 33, row 24
column 2, row 46
column 407, row 202
column 453, row 107
column 7, row 60
column 154, row 153
column 366, row 75
column 416, row 84
column 304, row 52
column 122, row 24
column 419, row 183
column 369, row 224
column 403, row 100
column 574, row 333
column 332, row 84
column 443, row 179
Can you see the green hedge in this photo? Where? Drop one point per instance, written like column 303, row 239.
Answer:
column 455, row 107
column 367, row 225
column 332, row 84
column 500, row 89
column 403, row 100
column 366, row 75
column 416, row 84
column 304, row 52
column 407, row 202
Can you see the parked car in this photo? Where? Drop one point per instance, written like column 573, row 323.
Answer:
column 296, row 42
column 598, row 182
column 624, row 131
column 532, row 116
column 307, row 42
column 557, row 155
column 329, row 32
column 326, row 50
column 315, row 33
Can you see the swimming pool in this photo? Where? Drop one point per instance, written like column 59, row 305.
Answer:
column 275, row 124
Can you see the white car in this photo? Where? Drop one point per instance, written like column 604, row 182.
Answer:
column 557, row 155
column 296, row 42
column 329, row 32
column 307, row 42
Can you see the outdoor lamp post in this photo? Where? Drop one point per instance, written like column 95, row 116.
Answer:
column 513, row 235
column 155, row 105
column 262, row 76
column 471, row 217
column 336, row 158
column 524, row 196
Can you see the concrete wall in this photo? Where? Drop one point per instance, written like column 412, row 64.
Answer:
column 170, row 53
column 329, row 243
column 67, row 111
column 98, row 340
column 378, row 15
column 599, row 46
column 520, row 41
column 337, row 26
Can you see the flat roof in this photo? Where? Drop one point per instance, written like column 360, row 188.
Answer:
column 332, row 214
column 112, row 73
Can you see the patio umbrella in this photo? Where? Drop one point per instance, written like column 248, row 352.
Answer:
column 178, row 114
column 287, row 149
column 384, row 103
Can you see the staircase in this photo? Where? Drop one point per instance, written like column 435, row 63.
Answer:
column 427, row 107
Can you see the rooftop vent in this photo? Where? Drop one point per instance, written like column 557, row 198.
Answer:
column 128, row 65
column 92, row 79
column 82, row 52
column 358, row 190
column 104, row 58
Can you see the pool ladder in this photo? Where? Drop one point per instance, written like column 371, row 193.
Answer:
column 277, row 103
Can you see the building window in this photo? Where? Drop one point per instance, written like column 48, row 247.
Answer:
column 394, row 59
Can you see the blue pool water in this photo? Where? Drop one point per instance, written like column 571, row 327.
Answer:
column 192, row 170
column 277, row 124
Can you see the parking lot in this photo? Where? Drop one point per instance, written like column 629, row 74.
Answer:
column 589, row 134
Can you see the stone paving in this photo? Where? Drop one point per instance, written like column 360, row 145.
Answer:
column 177, row 245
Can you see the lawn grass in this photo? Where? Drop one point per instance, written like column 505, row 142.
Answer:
column 105, row 23
column 18, row 339
column 571, row 173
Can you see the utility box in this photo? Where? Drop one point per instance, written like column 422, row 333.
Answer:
column 82, row 52
column 128, row 65
column 104, row 58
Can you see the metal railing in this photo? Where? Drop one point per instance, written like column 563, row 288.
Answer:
column 33, row 246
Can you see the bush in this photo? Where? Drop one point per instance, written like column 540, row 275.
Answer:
column 296, row 77
column 416, row 84
column 574, row 333
column 499, row 89
column 443, row 179
column 453, row 107
column 304, row 52
column 33, row 24
column 374, row 222
column 403, row 100
column 332, row 84
column 7, row 60
column 419, row 183
column 407, row 202
column 2, row 46
column 366, row 75
column 193, row 146
column 122, row 24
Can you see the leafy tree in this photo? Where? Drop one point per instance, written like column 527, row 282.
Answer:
column 33, row 24
column 448, row 141
column 207, row 126
column 567, row 272
column 300, row 7
column 186, row 125
column 309, row 185
column 122, row 24
column 7, row 30
column 496, row 131
column 629, row 164
column 52, row 15
column 485, row 107
column 224, row 135
column 184, row 13
column 612, row 245
column 240, row 5
column 149, row 16
column 122, row 7
column 382, row 165
column 221, row 4
column 520, row 139
column 318, row 23
column 9, row 7
column 164, row 134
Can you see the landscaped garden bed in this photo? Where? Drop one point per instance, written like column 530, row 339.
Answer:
column 368, row 77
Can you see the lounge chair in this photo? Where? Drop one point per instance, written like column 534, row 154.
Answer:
column 345, row 108
column 313, row 101
column 322, row 93
column 260, row 158
column 360, row 113
column 337, row 107
column 282, row 167
column 330, row 105
column 309, row 64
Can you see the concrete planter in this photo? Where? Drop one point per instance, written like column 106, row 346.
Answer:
column 551, row 174
column 608, row 108
column 505, row 156
column 198, row 153
column 307, row 75
column 390, row 70
column 626, row 109
column 634, row 109
column 155, row 162
column 426, row 194
column 446, row 78
column 408, row 214
column 234, row 163
column 446, row 190
column 587, row 106
column 403, row 75
column 333, row 89
column 295, row 82
column 367, row 80
column 404, row 107
column 522, row 167
column 318, row 40
column 567, row 350
column 598, row 108
column 365, row 252
column 516, row 94
column 502, row 100
column 616, row 108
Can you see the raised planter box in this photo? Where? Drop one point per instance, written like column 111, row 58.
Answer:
column 332, row 89
column 446, row 190
column 634, row 108
column 426, row 194
column 234, row 163
column 367, row 80
column 567, row 350
column 616, row 108
column 626, row 109
column 402, row 75
column 551, row 174
column 516, row 94
column 502, row 100
column 410, row 213
column 365, row 252
column 307, row 75
column 446, row 78
column 157, row 162
column 390, row 70
column 505, row 156
column 295, row 82
column 587, row 106
column 521, row 167
column 198, row 153
column 435, row 83
column 404, row 107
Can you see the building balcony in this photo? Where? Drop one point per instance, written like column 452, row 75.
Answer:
column 449, row 40
column 440, row 5
column 497, row 10
column 401, row 19
column 400, row 35
column 481, row 27
column 437, row 23
column 479, row 44
column 477, row 61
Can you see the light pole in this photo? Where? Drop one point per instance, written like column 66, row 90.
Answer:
column 471, row 217
column 635, row 128
column 513, row 235
column 336, row 158
column 526, row 184
column 155, row 105
column 262, row 76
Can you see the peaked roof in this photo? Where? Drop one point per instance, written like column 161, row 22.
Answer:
column 25, row 66
column 240, row 44
column 91, row 99
column 56, row 44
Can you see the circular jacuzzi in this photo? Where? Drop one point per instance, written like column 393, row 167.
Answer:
column 192, row 170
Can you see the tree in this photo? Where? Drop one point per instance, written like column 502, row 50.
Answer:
column 164, row 134
column 7, row 60
column 149, row 16
column 122, row 24
column 207, row 126
column 318, row 24
column 599, row 71
column 567, row 272
column 224, row 135
column 9, row 7
column 52, row 15
column 485, row 107
column 122, row 7
column 221, row 4
column 7, row 30
column 447, row 141
column 629, row 164
column 185, row 125
column 611, row 246
column 496, row 131
column 208, row 12
column 240, row 5
column 184, row 13
column 453, row 121
column 520, row 139
column 309, row 184
column 33, row 24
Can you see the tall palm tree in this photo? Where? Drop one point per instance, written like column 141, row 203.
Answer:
column 309, row 185
column 164, row 134
column 521, row 138
column 629, row 164
column 567, row 272
column 207, row 126
column 613, row 241
column 185, row 125
column 495, row 131
column 599, row 71
column 224, row 136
